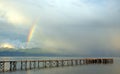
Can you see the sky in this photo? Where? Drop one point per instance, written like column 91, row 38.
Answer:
column 69, row 27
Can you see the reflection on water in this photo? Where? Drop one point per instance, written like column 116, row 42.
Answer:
column 81, row 69
column 28, row 72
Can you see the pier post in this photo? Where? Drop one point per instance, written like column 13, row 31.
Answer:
column 38, row 64
column 45, row 64
column 34, row 64
column 68, row 62
column 30, row 65
column 87, row 61
column 71, row 62
column 10, row 66
column 84, row 61
column 26, row 65
column 57, row 63
column 50, row 63
column 13, row 66
column 79, row 61
column 2, row 66
column 62, row 64
column 76, row 62
column 21, row 65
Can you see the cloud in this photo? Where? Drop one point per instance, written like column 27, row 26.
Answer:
column 82, row 27
column 77, row 27
column 12, row 13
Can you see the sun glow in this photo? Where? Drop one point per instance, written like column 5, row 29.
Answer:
column 16, row 18
column 6, row 45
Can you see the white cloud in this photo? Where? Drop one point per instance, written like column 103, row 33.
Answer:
column 11, row 13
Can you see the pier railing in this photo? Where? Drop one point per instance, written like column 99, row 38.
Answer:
column 6, row 66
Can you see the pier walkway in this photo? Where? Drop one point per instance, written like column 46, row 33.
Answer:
column 9, row 66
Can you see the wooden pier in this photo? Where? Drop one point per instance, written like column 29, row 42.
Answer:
column 10, row 66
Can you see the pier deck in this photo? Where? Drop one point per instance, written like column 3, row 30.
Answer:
column 10, row 66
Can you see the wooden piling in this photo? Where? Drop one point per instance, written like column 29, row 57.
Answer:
column 2, row 66
column 30, row 65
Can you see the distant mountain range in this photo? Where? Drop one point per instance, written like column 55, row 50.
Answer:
column 18, row 53
column 12, row 53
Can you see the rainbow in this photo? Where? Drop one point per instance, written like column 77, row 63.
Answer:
column 31, row 31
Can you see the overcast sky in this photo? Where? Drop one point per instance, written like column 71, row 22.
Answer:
column 82, row 27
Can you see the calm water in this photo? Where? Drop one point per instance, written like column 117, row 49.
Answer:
column 81, row 69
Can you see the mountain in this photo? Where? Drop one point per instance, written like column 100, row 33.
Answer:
column 12, row 53
column 18, row 53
